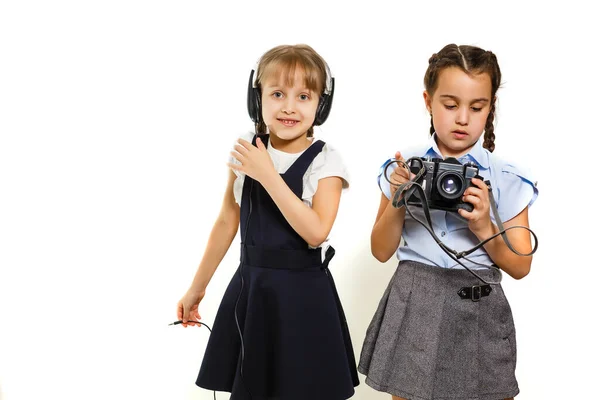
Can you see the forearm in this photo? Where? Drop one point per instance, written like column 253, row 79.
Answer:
column 219, row 242
column 304, row 220
column 513, row 264
column 387, row 231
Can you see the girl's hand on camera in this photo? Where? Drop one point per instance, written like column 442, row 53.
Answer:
column 479, row 219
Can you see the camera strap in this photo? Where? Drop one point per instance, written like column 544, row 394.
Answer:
column 407, row 189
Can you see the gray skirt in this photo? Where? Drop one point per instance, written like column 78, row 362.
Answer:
column 425, row 342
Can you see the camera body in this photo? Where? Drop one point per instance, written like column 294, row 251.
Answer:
column 444, row 182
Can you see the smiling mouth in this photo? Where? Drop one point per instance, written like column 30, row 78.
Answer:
column 288, row 122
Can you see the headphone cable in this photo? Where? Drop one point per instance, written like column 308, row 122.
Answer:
column 207, row 327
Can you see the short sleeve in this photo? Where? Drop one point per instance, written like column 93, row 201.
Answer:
column 238, row 184
column 517, row 190
column 327, row 163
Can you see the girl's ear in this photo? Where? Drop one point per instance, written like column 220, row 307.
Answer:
column 427, row 99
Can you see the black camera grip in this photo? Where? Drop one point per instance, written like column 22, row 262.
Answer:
column 465, row 206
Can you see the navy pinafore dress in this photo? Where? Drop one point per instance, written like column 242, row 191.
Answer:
column 296, row 340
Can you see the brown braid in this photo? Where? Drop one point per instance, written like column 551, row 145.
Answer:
column 488, row 137
column 431, row 128
column 471, row 60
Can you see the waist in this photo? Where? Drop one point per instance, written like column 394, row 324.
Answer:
column 438, row 258
column 259, row 256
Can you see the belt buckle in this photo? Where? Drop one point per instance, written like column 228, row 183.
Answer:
column 475, row 293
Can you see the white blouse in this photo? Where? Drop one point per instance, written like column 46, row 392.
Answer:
column 327, row 163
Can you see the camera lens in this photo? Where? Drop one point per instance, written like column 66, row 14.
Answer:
column 450, row 185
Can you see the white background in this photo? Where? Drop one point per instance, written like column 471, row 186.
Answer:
column 116, row 119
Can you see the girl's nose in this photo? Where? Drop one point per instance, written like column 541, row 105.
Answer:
column 462, row 116
column 288, row 106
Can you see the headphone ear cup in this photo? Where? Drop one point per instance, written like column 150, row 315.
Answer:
column 324, row 107
column 322, row 110
column 253, row 101
column 257, row 106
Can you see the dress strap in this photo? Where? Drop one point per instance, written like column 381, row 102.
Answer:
column 300, row 166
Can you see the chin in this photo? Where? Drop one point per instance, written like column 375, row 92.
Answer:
column 288, row 135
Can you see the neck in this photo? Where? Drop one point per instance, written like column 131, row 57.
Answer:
column 447, row 152
column 295, row 145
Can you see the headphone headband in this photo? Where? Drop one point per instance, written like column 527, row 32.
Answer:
column 328, row 89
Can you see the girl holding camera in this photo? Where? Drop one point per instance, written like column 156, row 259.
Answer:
column 438, row 333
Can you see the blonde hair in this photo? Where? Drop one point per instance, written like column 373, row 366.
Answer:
column 283, row 61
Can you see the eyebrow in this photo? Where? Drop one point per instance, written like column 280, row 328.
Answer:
column 283, row 87
column 480, row 100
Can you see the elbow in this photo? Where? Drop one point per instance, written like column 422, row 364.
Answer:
column 522, row 271
column 382, row 250
column 379, row 257
column 380, row 254
column 230, row 221
column 233, row 229
column 521, row 274
column 383, row 246
column 316, row 241
column 228, row 227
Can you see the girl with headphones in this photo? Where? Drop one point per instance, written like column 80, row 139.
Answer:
column 280, row 331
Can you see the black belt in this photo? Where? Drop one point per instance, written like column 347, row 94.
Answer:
column 475, row 293
column 260, row 256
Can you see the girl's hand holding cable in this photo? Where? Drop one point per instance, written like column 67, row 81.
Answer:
column 400, row 175
column 187, row 308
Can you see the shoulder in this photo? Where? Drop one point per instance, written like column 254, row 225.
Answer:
column 330, row 154
column 329, row 162
column 514, row 185
column 247, row 136
column 510, row 169
column 415, row 151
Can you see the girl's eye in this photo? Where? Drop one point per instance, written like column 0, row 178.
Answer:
column 476, row 109
column 277, row 95
column 450, row 107
column 304, row 97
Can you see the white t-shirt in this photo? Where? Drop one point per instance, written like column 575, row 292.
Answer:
column 327, row 163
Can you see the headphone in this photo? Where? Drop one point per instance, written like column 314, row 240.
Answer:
column 323, row 109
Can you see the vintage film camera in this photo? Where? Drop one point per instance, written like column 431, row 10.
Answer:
column 444, row 182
